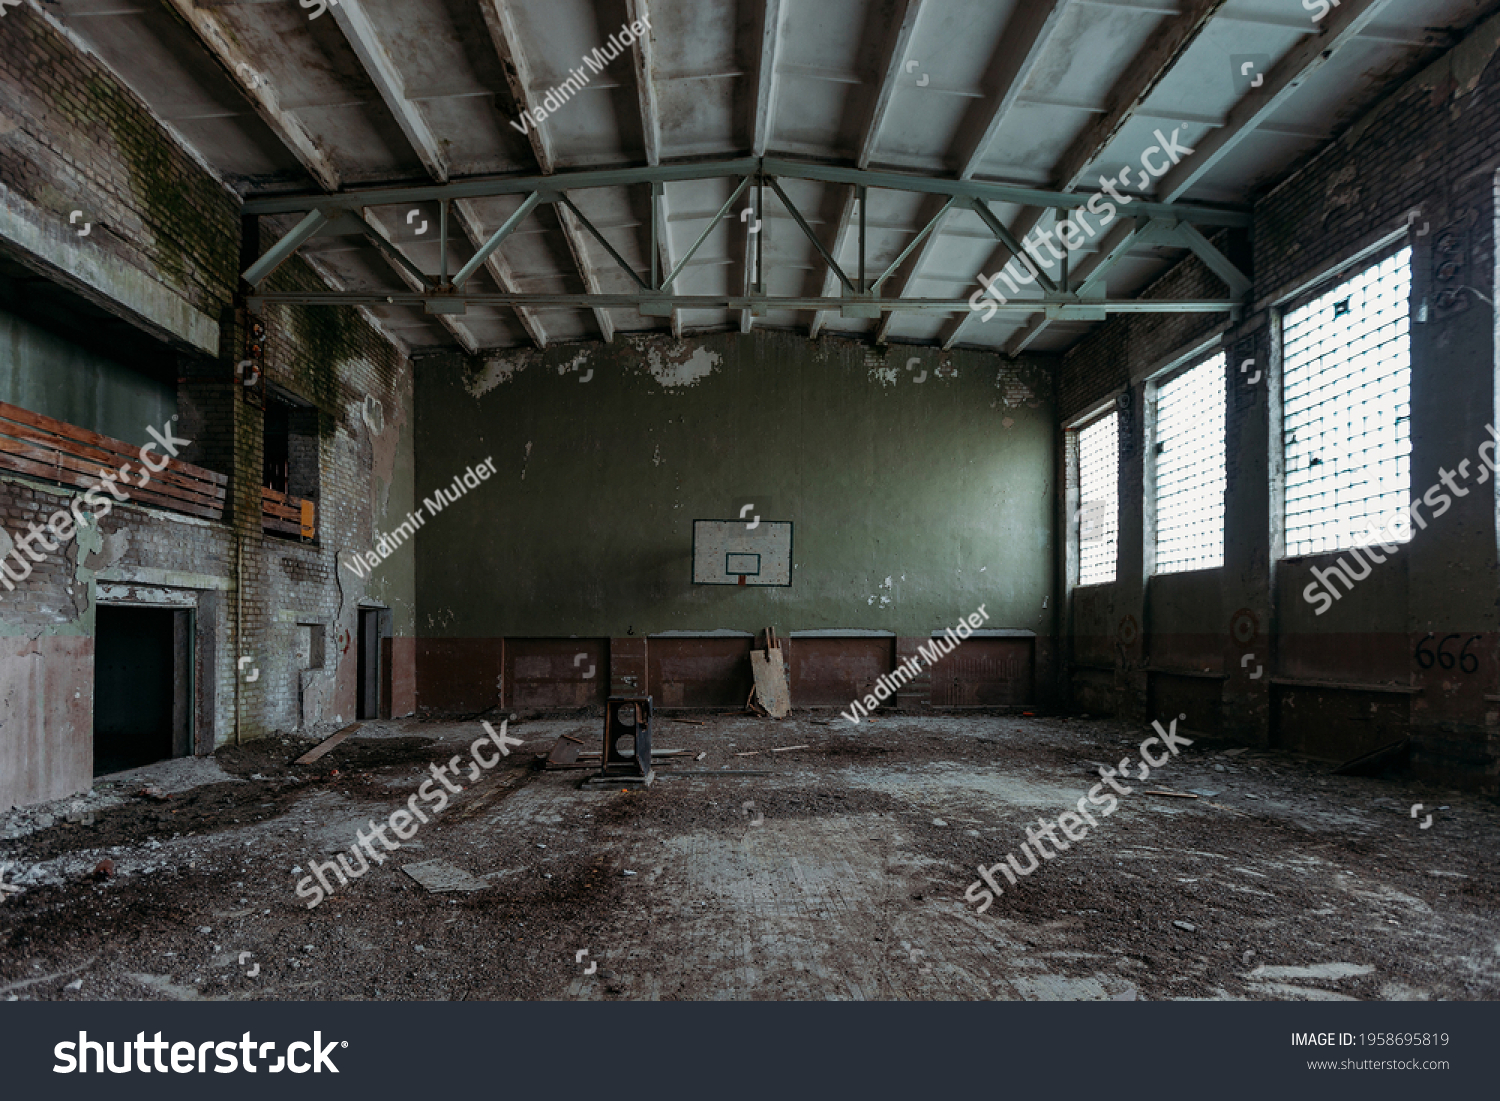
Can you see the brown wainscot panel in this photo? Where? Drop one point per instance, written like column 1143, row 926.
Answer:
column 556, row 672
column 986, row 672
column 700, row 670
column 831, row 671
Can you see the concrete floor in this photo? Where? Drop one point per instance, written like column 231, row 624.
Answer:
column 839, row 876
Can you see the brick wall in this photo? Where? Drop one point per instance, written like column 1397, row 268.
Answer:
column 84, row 142
column 164, row 230
column 1433, row 143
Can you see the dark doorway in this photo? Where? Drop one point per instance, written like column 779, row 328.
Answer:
column 374, row 664
column 142, row 686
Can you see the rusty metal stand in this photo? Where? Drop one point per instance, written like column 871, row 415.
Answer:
column 626, row 717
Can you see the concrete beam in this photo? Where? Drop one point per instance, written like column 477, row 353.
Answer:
column 469, row 222
column 506, row 37
column 39, row 240
column 1027, row 36
column 1288, row 74
column 1126, row 99
column 262, row 96
column 360, row 32
column 760, row 125
column 900, row 44
column 765, row 81
column 642, row 64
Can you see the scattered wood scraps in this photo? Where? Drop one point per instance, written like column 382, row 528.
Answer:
column 770, row 694
column 324, row 746
column 1172, row 794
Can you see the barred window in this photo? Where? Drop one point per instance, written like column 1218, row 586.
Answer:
column 1098, row 500
column 1190, row 469
column 1346, row 433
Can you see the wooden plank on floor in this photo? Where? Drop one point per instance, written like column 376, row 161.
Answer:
column 323, row 747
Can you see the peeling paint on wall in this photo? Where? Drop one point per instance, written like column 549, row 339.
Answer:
column 385, row 440
column 680, row 369
column 110, row 551
column 493, row 373
column 1471, row 57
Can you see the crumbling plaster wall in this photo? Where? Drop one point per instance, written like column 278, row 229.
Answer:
column 919, row 485
column 162, row 253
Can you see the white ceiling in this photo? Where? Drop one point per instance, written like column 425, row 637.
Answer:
column 1045, row 93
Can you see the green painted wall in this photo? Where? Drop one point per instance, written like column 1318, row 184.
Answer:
column 56, row 377
column 393, row 583
column 944, row 486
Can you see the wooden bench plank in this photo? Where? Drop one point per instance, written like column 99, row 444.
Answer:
column 74, row 432
column 61, row 460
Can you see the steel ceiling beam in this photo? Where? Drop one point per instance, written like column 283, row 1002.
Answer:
column 1063, row 303
column 550, row 185
column 551, row 188
column 505, row 36
column 500, row 271
column 901, row 38
column 709, row 228
column 1127, row 100
column 482, row 253
column 583, row 221
column 379, row 234
column 833, row 265
column 1028, row 33
column 282, row 250
column 323, row 212
column 578, row 248
column 921, row 236
column 991, row 192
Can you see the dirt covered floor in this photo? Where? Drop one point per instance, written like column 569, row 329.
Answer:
column 841, row 874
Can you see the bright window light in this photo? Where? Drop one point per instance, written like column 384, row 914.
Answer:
column 1098, row 500
column 1190, row 469
column 1346, row 432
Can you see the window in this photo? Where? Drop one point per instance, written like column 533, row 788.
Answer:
column 1346, row 432
column 1190, row 469
column 1098, row 500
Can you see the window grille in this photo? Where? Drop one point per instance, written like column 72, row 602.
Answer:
column 1346, row 432
column 1098, row 500
column 1190, row 469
